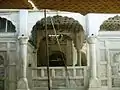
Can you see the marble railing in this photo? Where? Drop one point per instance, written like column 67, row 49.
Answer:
column 75, row 77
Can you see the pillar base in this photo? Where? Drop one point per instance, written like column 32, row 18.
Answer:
column 94, row 83
column 22, row 84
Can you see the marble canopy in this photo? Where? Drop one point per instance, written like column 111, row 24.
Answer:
column 63, row 26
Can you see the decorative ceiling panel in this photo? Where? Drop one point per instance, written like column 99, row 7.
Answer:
column 80, row 6
column 15, row 4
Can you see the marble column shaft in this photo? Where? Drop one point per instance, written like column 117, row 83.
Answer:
column 79, row 57
column 23, row 39
column 92, row 52
column 23, row 82
column 74, row 54
column 94, row 81
column 23, row 55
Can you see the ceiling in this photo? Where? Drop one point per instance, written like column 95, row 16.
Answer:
column 15, row 4
column 80, row 6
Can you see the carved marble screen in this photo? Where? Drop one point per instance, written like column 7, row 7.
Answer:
column 102, row 63
column 108, row 60
column 109, row 67
column 102, row 72
column 115, row 67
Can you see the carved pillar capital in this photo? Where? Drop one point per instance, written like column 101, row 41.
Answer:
column 92, row 39
column 23, row 39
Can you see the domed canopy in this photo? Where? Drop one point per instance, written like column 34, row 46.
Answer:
column 112, row 24
column 60, row 23
column 63, row 26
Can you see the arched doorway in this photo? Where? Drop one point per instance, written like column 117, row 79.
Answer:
column 65, row 26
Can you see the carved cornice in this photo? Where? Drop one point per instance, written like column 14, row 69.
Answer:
column 112, row 24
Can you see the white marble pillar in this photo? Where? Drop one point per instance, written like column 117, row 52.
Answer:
column 78, row 48
column 94, row 82
column 23, row 82
column 74, row 54
column 79, row 63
